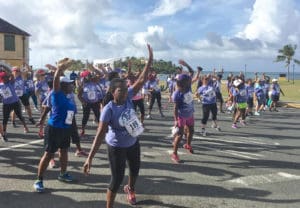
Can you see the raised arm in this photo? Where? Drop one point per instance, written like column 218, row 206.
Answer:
column 183, row 63
column 61, row 67
column 143, row 76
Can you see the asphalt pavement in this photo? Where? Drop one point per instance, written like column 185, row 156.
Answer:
column 252, row 166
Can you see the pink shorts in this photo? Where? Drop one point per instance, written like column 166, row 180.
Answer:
column 181, row 122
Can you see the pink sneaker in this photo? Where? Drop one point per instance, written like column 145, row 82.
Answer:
column 234, row 126
column 81, row 153
column 41, row 134
column 243, row 123
column 175, row 158
column 52, row 164
column 130, row 195
column 188, row 148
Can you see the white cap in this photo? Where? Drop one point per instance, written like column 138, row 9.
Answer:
column 65, row 79
column 237, row 82
column 274, row 80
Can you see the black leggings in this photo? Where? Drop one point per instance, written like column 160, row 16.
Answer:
column 7, row 108
column 117, row 161
column 86, row 112
column 155, row 95
column 139, row 103
column 206, row 108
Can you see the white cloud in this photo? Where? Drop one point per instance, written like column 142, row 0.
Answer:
column 89, row 29
column 273, row 21
column 170, row 7
column 155, row 36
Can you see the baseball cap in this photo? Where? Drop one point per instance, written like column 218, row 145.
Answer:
column 65, row 80
column 182, row 77
column 2, row 75
column 237, row 82
column 84, row 73
column 15, row 68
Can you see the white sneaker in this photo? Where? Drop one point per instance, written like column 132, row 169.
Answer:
column 203, row 132
column 257, row 114
column 148, row 117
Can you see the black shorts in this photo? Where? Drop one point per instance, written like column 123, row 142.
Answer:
column 140, row 104
column 250, row 102
column 56, row 138
column 74, row 132
column 25, row 99
column 219, row 97
column 275, row 98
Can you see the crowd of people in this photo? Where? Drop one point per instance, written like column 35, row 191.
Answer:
column 113, row 96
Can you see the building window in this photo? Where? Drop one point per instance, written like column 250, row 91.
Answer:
column 9, row 43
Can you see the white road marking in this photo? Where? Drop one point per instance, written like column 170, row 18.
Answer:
column 21, row 145
column 263, row 179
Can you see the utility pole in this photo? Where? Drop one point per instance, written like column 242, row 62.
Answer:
column 293, row 73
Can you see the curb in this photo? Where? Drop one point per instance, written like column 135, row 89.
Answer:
column 289, row 105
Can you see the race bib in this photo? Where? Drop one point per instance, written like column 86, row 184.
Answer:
column 91, row 95
column 7, row 93
column 30, row 84
column 69, row 117
column 243, row 92
column 188, row 98
column 130, row 121
column 19, row 93
column 211, row 93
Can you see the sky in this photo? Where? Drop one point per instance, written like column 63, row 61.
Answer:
column 229, row 34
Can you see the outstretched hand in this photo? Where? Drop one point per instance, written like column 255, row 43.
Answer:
column 182, row 62
column 150, row 50
column 87, row 166
column 64, row 64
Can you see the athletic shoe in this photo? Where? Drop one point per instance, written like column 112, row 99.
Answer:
column 38, row 186
column 149, row 117
column 26, row 130
column 175, row 158
column 41, row 134
column 4, row 137
column 234, row 126
column 214, row 126
column 32, row 120
column 82, row 132
column 14, row 124
column 81, row 153
column 52, row 164
column 36, row 109
column 188, row 148
column 130, row 195
column 243, row 122
column 66, row 177
column 257, row 113
column 203, row 132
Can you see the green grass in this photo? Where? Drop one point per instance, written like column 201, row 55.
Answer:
column 291, row 91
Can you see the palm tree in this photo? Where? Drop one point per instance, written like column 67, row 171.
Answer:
column 286, row 54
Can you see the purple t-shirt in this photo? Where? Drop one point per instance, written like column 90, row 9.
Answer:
column 117, row 135
column 19, row 86
column 208, row 94
column 8, row 93
column 184, row 102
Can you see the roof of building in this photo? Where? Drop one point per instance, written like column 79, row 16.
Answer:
column 6, row 27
